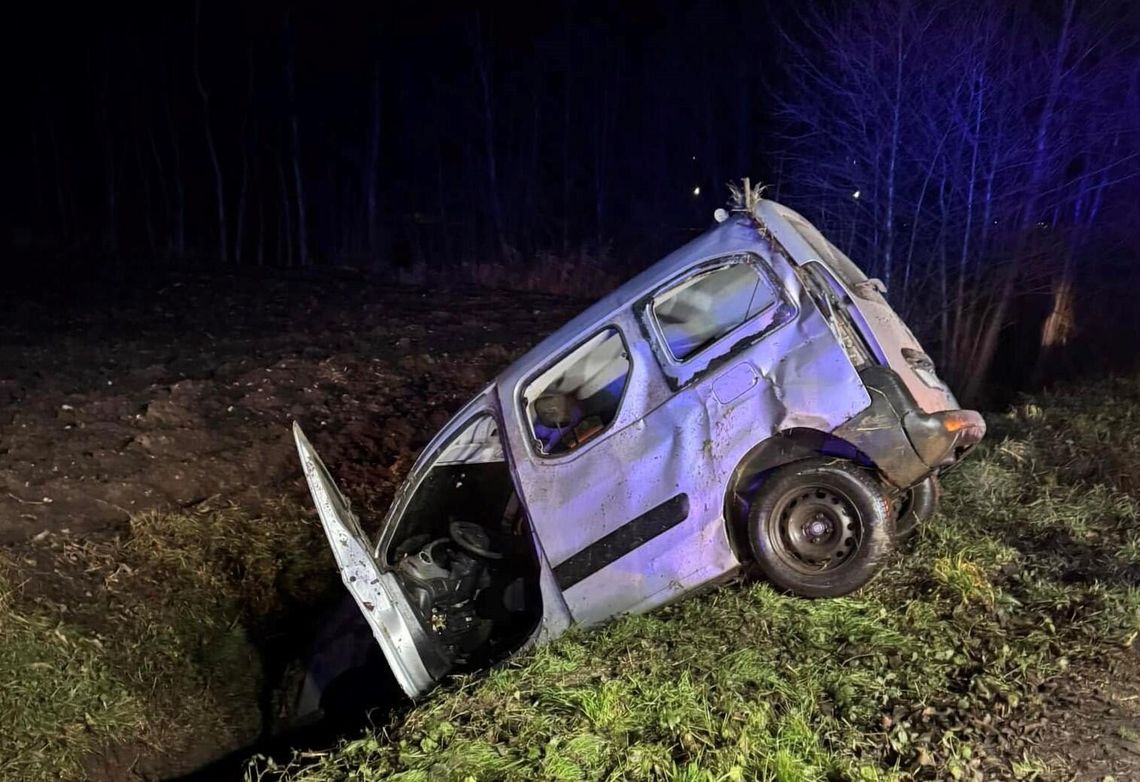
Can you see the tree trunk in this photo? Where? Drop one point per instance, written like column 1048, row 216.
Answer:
column 110, row 184
column 944, row 319
column 441, row 195
column 892, row 164
column 977, row 96
column 295, row 138
column 601, row 135
column 982, row 357
column 260, row 259
column 483, row 68
column 286, row 233
column 914, row 223
column 566, row 133
column 211, row 148
column 60, row 190
column 178, row 229
column 1061, row 324
column 38, row 178
column 372, row 169
column 971, row 327
column 163, row 187
column 239, row 233
column 244, row 144
column 147, row 200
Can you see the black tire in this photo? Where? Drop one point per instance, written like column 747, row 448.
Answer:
column 821, row 527
column 917, row 505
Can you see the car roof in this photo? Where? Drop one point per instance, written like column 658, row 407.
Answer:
column 741, row 232
column 737, row 234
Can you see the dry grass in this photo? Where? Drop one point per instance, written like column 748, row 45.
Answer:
column 61, row 698
column 161, row 654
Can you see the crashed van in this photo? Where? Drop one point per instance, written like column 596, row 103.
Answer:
column 750, row 403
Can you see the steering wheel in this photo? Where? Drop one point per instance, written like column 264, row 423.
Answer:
column 473, row 539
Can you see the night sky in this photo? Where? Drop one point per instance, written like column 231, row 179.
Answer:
column 982, row 159
column 599, row 116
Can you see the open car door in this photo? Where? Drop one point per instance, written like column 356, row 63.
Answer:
column 377, row 593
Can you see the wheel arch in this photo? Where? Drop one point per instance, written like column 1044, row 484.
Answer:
column 784, row 447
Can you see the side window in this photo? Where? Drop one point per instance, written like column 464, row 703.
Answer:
column 578, row 398
column 700, row 310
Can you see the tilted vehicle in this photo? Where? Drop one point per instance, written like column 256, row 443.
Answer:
column 751, row 398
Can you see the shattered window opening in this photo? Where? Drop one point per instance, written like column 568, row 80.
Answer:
column 464, row 550
column 830, row 255
column 700, row 310
column 578, row 398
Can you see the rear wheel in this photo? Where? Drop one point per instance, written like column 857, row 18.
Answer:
column 821, row 528
column 918, row 504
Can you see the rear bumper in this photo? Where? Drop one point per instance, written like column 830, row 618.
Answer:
column 905, row 443
column 940, row 439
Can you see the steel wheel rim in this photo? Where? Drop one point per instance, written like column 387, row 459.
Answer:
column 815, row 529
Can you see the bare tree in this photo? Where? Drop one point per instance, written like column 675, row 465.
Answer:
column 63, row 202
column 107, row 141
column 178, row 229
column 295, row 150
column 211, row 148
column 285, row 225
column 244, row 144
column 483, row 69
column 941, row 121
column 372, row 166
column 147, row 197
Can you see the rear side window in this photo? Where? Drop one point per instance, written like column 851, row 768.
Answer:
column 578, row 398
column 700, row 310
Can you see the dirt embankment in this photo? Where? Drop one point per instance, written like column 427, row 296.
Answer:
column 156, row 550
column 161, row 398
column 166, row 403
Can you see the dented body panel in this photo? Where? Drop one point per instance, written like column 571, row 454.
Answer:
column 631, row 437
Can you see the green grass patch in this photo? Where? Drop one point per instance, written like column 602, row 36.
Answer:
column 60, row 700
column 1030, row 567
column 148, row 640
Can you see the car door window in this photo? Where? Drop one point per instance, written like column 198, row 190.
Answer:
column 467, row 479
column 577, row 398
column 705, row 307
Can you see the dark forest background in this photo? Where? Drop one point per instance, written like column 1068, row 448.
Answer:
column 981, row 158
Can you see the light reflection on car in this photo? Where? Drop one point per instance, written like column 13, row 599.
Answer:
column 751, row 398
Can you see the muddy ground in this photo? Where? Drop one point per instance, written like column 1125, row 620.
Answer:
column 119, row 399
column 116, row 400
column 166, row 396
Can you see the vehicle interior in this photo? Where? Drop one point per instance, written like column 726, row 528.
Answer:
column 704, row 308
column 577, row 398
column 465, row 554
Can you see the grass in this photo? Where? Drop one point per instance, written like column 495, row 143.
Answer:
column 150, row 640
column 60, row 700
column 1030, row 568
